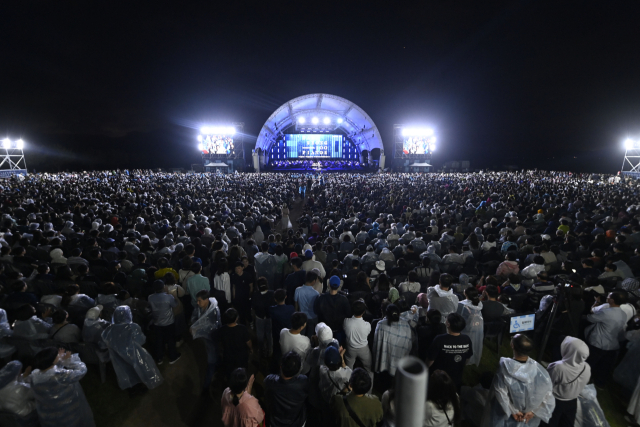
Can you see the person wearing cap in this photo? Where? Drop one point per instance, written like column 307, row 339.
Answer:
column 294, row 280
column 334, row 374
column 379, row 268
column 332, row 308
column 162, row 304
column 310, row 263
column 94, row 326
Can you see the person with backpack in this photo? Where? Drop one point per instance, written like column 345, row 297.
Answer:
column 204, row 321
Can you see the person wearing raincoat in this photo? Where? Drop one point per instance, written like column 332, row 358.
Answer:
column 132, row 363
column 16, row 395
column 6, row 350
column 442, row 298
column 55, row 382
column 522, row 392
column 471, row 310
column 433, row 256
column 569, row 377
column 204, row 321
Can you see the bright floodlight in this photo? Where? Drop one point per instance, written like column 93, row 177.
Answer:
column 6, row 143
column 200, row 147
column 301, row 120
column 199, row 137
column 326, row 120
column 629, row 144
column 339, row 120
column 19, row 144
column 314, row 120
column 417, row 132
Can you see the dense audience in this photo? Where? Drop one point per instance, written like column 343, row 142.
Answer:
column 371, row 269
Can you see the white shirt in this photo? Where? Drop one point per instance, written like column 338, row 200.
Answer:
column 357, row 331
column 298, row 343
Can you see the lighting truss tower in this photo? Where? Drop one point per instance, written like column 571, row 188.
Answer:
column 12, row 157
column 631, row 162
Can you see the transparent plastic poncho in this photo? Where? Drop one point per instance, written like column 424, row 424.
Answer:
column 60, row 400
column 16, row 396
column 474, row 329
column 132, row 363
column 519, row 387
column 589, row 412
column 6, row 350
column 203, row 324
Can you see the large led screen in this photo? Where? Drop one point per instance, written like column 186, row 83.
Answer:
column 217, row 144
column 417, row 145
column 312, row 145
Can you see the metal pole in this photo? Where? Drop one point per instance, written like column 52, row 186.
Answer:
column 411, row 392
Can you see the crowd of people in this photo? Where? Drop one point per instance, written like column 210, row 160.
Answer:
column 373, row 268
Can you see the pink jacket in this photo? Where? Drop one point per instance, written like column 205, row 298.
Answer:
column 248, row 413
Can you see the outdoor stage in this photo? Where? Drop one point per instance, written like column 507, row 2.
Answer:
column 316, row 166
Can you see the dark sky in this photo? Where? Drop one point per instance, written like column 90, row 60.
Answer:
column 553, row 85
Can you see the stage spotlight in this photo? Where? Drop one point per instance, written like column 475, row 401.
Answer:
column 301, row 120
column 629, row 144
column 199, row 138
column 417, row 132
column 339, row 120
column 6, row 143
column 314, row 120
column 204, row 130
column 326, row 120
column 432, row 147
column 200, row 147
column 19, row 144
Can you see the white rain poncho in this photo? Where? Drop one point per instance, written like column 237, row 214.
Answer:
column 266, row 266
column 204, row 323
column 519, row 387
column 60, row 400
column 92, row 331
column 16, row 396
column 589, row 413
column 446, row 302
column 6, row 350
column 132, row 363
column 474, row 328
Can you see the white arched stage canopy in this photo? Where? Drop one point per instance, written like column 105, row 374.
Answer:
column 342, row 114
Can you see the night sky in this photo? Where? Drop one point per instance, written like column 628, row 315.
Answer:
column 546, row 84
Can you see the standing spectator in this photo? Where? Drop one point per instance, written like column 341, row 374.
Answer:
column 55, row 382
column 470, row 310
column 521, row 389
column 441, row 296
column 305, row 297
column 16, row 396
column 332, row 308
column 357, row 330
column 334, row 374
column 197, row 282
column 222, row 281
column 280, row 319
column 235, row 340
column 450, row 352
column 357, row 408
column 569, row 377
column 286, row 393
column 241, row 290
column 205, row 320
column 239, row 407
column 602, row 336
column 492, row 309
column 162, row 304
column 293, row 340
column 132, row 363
column 391, row 341
column 261, row 300
column 443, row 406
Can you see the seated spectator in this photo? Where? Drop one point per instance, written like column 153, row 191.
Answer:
column 412, row 284
column 508, row 266
column 513, row 286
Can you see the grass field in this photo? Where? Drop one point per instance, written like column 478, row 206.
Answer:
column 177, row 402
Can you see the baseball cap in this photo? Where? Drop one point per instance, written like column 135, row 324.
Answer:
column 369, row 248
column 332, row 356
column 334, row 282
column 308, row 253
column 293, row 255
